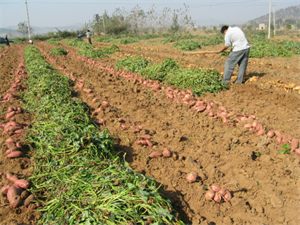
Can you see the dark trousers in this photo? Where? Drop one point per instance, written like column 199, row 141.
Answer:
column 240, row 58
column 90, row 40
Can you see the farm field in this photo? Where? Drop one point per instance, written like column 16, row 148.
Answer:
column 264, row 175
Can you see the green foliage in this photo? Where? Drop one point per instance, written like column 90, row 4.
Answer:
column 170, row 39
column 104, row 39
column 75, row 42
column 77, row 172
column 199, row 81
column 213, row 40
column 286, row 149
column 89, row 52
column 159, row 71
column 52, row 42
column 58, row 51
column 125, row 41
column 189, row 45
column 291, row 46
column 134, row 64
column 268, row 49
column 110, row 49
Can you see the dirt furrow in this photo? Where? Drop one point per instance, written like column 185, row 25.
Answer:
column 19, row 166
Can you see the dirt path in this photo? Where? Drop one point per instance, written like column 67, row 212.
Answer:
column 218, row 152
column 18, row 166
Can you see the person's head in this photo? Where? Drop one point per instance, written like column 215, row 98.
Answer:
column 223, row 29
column 88, row 30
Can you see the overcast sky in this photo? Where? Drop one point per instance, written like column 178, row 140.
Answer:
column 54, row 13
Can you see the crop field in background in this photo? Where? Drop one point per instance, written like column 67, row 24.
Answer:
column 140, row 130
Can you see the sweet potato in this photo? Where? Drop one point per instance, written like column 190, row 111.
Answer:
column 278, row 133
column 4, row 189
column 29, row 199
column 11, row 177
column 10, row 140
column 14, row 154
column 13, row 196
column 191, row 177
column 167, row 153
column 270, row 134
column 15, row 201
column 260, row 132
column 155, row 154
column 146, row 136
column 141, row 142
column 95, row 100
column 294, row 144
column 24, row 194
column 149, row 143
column 10, row 114
column 22, row 183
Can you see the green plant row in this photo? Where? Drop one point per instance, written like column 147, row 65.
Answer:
column 77, row 173
column 198, row 81
column 263, row 47
column 58, row 51
column 53, row 42
column 88, row 50
column 189, row 45
column 127, row 39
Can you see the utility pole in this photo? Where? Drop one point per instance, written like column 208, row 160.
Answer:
column 274, row 19
column 28, row 24
column 270, row 11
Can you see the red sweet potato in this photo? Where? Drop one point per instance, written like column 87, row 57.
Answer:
column 11, row 177
column 156, row 154
column 4, row 189
column 13, row 196
column 294, row 144
column 14, row 154
column 22, row 183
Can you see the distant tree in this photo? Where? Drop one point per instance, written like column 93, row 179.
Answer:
column 249, row 27
column 137, row 19
column 151, row 18
column 174, row 28
column 163, row 19
column 23, row 28
column 204, row 28
column 288, row 26
column 291, row 21
column 215, row 28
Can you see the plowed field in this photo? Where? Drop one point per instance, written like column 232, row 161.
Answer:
column 268, row 188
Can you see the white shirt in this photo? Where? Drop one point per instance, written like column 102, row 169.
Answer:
column 236, row 38
column 88, row 34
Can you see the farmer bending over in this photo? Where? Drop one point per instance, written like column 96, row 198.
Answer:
column 239, row 53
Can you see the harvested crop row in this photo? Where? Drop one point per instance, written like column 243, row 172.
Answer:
column 69, row 148
column 14, row 149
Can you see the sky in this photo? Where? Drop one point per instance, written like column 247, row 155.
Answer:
column 57, row 13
